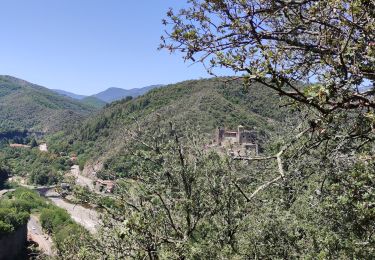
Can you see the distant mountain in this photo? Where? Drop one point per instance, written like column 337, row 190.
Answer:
column 93, row 101
column 108, row 95
column 69, row 94
column 26, row 106
column 113, row 94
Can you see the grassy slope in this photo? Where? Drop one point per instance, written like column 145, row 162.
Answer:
column 27, row 106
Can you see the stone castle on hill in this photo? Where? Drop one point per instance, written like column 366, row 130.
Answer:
column 240, row 143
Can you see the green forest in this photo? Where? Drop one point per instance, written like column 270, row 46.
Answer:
column 25, row 106
column 166, row 171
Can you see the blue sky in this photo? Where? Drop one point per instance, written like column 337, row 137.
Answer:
column 86, row 46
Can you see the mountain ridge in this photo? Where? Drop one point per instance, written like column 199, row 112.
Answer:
column 110, row 94
column 27, row 106
column 113, row 93
column 69, row 94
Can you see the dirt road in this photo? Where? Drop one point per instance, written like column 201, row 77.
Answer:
column 36, row 234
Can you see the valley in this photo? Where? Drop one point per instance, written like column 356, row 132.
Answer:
column 197, row 129
column 115, row 168
column 97, row 145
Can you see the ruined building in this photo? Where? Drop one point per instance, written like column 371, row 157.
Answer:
column 241, row 142
column 105, row 186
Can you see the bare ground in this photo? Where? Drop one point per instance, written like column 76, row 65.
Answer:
column 88, row 218
column 35, row 233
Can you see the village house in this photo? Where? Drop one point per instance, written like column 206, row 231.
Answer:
column 105, row 186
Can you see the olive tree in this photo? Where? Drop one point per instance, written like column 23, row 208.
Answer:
column 284, row 43
column 179, row 201
column 320, row 57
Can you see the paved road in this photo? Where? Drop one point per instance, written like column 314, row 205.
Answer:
column 36, row 234
column 88, row 218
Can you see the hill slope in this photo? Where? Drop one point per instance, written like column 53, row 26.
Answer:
column 26, row 106
column 198, row 105
column 113, row 94
column 93, row 101
column 69, row 94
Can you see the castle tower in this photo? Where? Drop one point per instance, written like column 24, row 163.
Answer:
column 240, row 132
column 220, row 135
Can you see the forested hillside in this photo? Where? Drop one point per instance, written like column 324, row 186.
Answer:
column 112, row 94
column 200, row 106
column 26, row 106
column 68, row 94
column 174, row 198
column 93, row 101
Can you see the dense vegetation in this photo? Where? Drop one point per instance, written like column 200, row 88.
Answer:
column 34, row 166
column 114, row 94
column 13, row 214
column 309, row 194
column 25, row 106
column 17, row 206
column 202, row 105
column 93, row 102
column 64, row 230
column 4, row 173
column 178, row 199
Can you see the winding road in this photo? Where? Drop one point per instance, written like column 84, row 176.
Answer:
column 36, row 234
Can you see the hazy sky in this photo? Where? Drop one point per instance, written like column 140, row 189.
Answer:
column 86, row 46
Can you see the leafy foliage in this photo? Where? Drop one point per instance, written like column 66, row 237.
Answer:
column 52, row 219
column 39, row 167
column 326, row 42
column 15, row 209
column 93, row 102
column 182, row 201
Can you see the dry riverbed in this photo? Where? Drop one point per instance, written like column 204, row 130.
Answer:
column 88, row 218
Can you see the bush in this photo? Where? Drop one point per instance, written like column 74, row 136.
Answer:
column 11, row 218
column 54, row 218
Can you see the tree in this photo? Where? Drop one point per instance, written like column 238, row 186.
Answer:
column 320, row 56
column 33, row 143
column 326, row 45
column 179, row 201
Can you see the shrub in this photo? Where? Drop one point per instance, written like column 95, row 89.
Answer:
column 54, row 218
